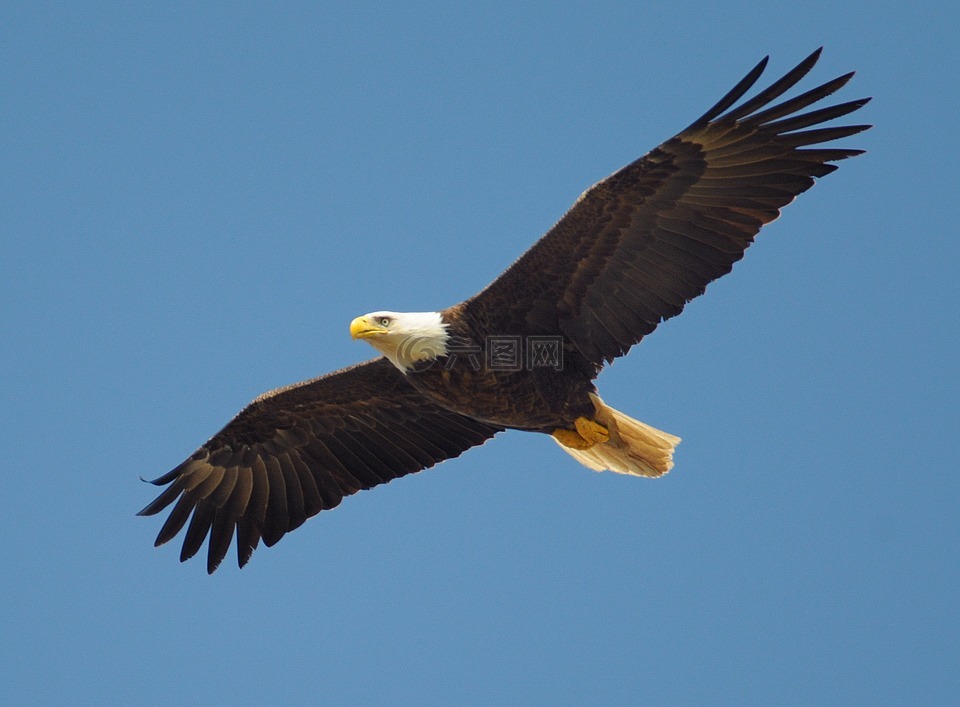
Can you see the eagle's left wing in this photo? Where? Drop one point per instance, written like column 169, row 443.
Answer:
column 640, row 244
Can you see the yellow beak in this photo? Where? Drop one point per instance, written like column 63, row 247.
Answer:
column 363, row 328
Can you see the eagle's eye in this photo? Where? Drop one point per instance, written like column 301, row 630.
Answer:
column 384, row 321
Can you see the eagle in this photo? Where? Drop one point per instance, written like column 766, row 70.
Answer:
column 524, row 352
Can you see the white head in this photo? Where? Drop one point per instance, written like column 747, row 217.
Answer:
column 403, row 337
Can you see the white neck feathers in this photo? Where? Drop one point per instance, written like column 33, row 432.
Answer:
column 412, row 337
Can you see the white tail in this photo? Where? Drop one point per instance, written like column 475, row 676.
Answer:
column 634, row 448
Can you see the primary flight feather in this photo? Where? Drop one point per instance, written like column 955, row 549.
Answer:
column 523, row 353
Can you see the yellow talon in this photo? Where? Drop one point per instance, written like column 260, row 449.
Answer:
column 571, row 438
column 592, row 432
column 587, row 434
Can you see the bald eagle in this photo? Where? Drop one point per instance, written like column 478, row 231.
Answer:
column 524, row 352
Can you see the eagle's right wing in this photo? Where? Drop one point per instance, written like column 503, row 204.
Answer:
column 296, row 451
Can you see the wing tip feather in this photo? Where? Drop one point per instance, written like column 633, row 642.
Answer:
column 733, row 95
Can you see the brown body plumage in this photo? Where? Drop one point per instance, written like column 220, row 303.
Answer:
column 632, row 251
column 541, row 398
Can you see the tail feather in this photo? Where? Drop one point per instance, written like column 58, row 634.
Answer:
column 634, row 448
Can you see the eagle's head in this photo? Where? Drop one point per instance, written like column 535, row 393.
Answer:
column 403, row 337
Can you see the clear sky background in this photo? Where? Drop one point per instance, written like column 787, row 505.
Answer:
column 196, row 200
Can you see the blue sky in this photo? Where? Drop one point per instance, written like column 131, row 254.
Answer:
column 197, row 200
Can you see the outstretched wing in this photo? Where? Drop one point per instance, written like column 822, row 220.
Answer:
column 296, row 451
column 640, row 244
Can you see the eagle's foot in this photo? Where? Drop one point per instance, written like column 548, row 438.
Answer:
column 587, row 434
column 591, row 431
column 571, row 438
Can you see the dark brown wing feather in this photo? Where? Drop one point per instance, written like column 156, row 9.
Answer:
column 299, row 450
column 639, row 245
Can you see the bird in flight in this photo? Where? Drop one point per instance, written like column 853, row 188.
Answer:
column 524, row 352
